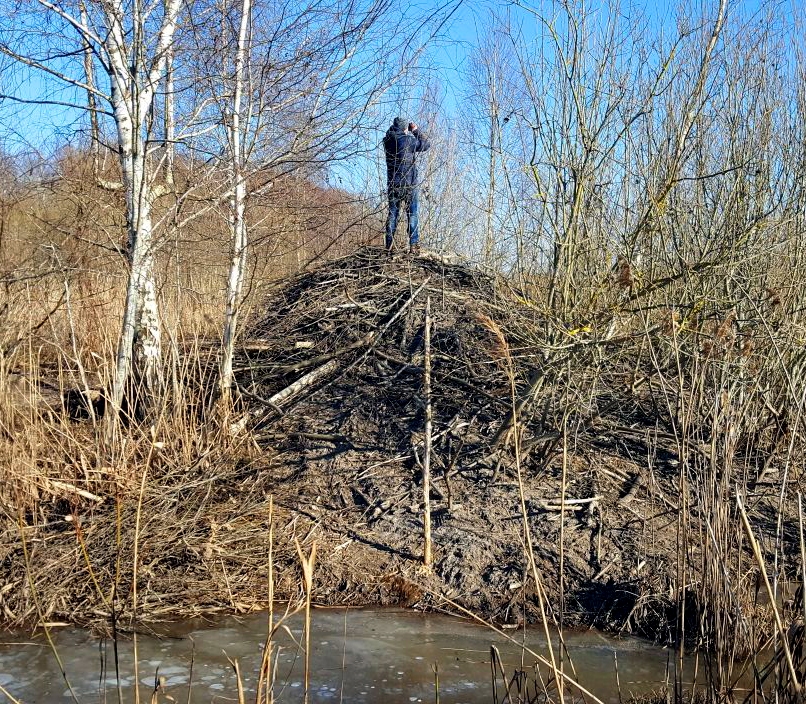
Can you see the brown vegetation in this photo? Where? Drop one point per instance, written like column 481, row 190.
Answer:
column 617, row 420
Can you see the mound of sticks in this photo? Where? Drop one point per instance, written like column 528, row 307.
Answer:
column 603, row 466
column 339, row 357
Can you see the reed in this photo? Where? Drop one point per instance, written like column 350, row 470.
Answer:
column 307, row 563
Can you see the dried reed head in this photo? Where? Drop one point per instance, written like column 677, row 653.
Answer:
column 307, row 563
column 623, row 273
column 746, row 347
column 671, row 321
column 725, row 329
column 499, row 348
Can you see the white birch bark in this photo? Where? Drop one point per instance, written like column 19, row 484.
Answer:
column 312, row 87
column 133, row 87
column 169, row 117
column 237, row 221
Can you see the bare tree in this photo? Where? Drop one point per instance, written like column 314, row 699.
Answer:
column 492, row 100
column 237, row 218
column 130, row 40
column 277, row 91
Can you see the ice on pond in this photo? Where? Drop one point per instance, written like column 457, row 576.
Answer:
column 177, row 680
column 173, row 670
column 359, row 655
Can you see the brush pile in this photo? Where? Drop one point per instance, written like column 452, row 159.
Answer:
column 574, row 432
column 332, row 378
column 338, row 360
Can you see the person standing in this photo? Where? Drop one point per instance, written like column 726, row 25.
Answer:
column 401, row 143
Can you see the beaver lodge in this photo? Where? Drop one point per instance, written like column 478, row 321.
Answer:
column 627, row 487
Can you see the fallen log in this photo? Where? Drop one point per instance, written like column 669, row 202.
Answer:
column 302, row 383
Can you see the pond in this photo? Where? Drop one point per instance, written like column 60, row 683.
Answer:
column 356, row 656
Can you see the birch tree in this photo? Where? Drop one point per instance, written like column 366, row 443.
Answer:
column 237, row 221
column 129, row 40
column 265, row 89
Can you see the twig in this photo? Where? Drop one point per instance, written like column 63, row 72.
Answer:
column 428, row 420
column 259, row 399
column 375, row 337
column 324, row 437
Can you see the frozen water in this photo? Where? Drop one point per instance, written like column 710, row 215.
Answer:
column 388, row 656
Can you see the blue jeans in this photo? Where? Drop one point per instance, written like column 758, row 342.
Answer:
column 397, row 199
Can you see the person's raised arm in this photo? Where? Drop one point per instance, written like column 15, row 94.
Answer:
column 422, row 140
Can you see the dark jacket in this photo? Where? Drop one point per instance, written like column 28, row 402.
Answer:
column 401, row 148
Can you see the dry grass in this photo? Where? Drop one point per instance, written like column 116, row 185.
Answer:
column 63, row 282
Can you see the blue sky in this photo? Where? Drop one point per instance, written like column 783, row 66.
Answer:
column 444, row 65
column 448, row 57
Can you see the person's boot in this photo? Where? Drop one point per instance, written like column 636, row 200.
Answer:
column 414, row 250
